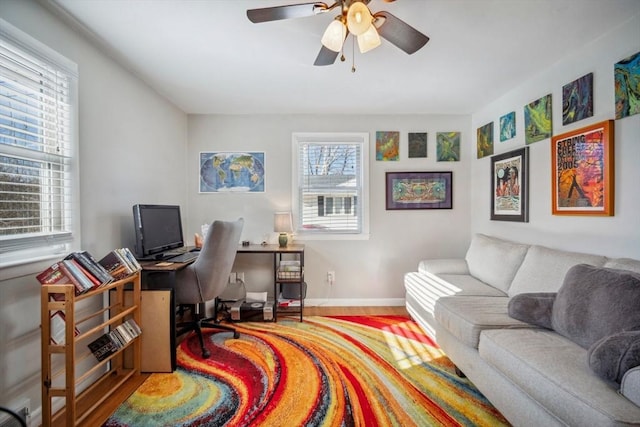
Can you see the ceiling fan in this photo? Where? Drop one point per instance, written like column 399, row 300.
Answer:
column 356, row 19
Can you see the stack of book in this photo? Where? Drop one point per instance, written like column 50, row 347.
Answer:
column 116, row 339
column 120, row 263
column 79, row 268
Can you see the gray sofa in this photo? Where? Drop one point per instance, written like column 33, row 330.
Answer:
column 534, row 375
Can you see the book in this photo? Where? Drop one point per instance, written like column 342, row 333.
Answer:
column 58, row 321
column 89, row 263
column 103, row 347
column 53, row 275
column 82, row 283
column 114, row 264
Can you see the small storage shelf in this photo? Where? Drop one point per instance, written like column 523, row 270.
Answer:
column 110, row 373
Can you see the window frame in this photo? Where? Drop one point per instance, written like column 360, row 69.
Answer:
column 360, row 138
column 26, row 255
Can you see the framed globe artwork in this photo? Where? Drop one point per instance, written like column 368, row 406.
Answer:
column 232, row 172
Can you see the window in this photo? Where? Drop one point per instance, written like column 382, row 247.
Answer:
column 330, row 192
column 37, row 139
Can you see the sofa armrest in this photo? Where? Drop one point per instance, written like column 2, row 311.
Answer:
column 443, row 266
column 630, row 385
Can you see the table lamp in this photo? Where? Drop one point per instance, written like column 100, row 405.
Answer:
column 282, row 224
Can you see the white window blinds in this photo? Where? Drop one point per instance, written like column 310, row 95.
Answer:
column 330, row 183
column 37, row 117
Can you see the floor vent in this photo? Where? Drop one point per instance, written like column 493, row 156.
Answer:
column 7, row 420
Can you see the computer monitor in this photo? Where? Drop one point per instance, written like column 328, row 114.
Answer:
column 158, row 229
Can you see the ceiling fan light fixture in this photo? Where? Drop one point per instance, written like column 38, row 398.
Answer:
column 369, row 40
column 334, row 36
column 359, row 18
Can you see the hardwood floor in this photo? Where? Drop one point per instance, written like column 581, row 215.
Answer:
column 106, row 409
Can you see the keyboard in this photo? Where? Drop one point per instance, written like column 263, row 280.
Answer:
column 185, row 257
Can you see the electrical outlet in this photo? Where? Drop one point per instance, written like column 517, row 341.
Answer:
column 233, row 277
column 331, row 276
column 240, row 275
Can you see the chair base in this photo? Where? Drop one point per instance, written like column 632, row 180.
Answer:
column 197, row 325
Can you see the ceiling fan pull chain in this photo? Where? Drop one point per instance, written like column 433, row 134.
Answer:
column 353, row 54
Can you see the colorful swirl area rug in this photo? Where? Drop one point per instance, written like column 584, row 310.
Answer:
column 326, row 371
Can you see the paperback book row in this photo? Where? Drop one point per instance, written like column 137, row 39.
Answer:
column 114, row 340
column 86, row 273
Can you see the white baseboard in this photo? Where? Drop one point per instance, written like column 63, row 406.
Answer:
column 355, row 302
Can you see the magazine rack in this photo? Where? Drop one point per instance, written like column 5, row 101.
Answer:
column 60, row 360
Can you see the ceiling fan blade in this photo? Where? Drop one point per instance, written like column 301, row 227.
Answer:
column 401, row 34
column 326, row 57
column 286, row 12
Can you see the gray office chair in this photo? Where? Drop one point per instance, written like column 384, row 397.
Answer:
column 208, row 276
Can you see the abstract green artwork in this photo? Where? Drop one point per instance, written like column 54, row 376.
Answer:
column 448, row 146
column 627, row 86
column 485, row 140
column 537, row 120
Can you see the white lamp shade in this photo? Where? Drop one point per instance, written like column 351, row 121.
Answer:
column 358, row 18
column 369, row 40
column 282, row 222
column 334, row 36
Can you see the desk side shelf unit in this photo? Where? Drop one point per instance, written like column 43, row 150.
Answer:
column 110, row 373
column 284, row 276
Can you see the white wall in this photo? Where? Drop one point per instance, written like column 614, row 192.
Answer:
column 367, row 272
column 612, row 236
column 132, row 149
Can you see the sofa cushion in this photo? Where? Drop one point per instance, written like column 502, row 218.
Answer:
column 543, row 269
column 446, row 266
column 494, row 261
column 533, row 308
column 623, row 264
column 612, row 356
column 466, row 316
column 596, row 302
column 554, row 372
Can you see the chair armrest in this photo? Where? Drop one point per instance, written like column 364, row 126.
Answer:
column 443, row 266
column 630, row 385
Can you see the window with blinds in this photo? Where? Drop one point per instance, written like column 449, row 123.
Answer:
column 330, row 192
column 37, row 118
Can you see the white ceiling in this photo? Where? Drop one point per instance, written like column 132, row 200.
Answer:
column 207, row 57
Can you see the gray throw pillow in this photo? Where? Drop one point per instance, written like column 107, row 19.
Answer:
column 533, row 308
column 612, row 356
column 595, row 302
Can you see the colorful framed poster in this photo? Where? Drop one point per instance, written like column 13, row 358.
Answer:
column 417, row 145
column 419, row 190
column 232, row 172
column 537, row 120
column 507, row 126
column 577, row 99
column 448, row 146
column 484, row 142
column 582, row 171
column 388, row 146
column 627, row 81
column 510, row 186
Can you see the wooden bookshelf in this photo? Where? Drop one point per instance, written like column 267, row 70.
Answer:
column 102, row 379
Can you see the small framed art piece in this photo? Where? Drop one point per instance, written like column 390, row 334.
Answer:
column 537, row 120
column 509, row 186
column 388, row 145
column 419, row 190
column 626, row 76
column 582, row 171
column 417, row 144
column 484, row 141
column 577, row 99
column 448, row 146
column 232, row 172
